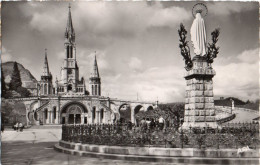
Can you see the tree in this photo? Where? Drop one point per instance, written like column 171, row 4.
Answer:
column 6, row 111
column 185, row 49
column 173, row 112
column 3, row 87
column 15, row 79
column 23, row 91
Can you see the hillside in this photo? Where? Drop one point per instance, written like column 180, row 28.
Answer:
column 238, row 103
column 227, row 102
column 28, row 80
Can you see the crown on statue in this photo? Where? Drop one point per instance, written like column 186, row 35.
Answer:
column 199, row 8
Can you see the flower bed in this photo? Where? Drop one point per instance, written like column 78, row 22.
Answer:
column 122, row 135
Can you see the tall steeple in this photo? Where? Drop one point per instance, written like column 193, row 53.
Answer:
column 95, row 72
column 46, row 78
column 94, row 80
column 70, row 70
column 70, row 33
column 46, row 65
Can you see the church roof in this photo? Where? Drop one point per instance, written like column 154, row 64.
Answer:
column 95, row 72
column 70, row 33
column 46, row 71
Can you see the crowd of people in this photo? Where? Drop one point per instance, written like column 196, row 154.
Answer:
column 18, row 126
column 151, row 124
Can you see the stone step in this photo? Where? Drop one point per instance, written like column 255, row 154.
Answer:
column 162, row 159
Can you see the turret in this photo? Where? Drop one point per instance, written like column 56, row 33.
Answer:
column 46, row 78
column 94, row 80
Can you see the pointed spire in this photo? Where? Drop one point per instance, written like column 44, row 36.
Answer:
column 95, row 72
column 46, row 65
column 70, row 33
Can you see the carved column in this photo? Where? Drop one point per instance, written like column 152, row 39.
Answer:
column 82, row 118
column 132, row 115
column 97, row 117
column 50, row 117
column 58, row 112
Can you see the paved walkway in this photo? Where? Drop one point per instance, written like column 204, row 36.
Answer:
column 35, row 147
column 243, row 116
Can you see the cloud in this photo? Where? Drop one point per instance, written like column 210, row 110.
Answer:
column 136, row 44
column 135, row 64
column 119, row 19
column 249, row 56
column 168, row 16
column 226, row 8
column 6, row 55
column 165, row 83
column 239, row 79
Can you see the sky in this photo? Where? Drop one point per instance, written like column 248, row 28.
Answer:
column 136, row 44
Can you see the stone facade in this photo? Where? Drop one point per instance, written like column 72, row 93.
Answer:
column 199, row 98
column 69, row 109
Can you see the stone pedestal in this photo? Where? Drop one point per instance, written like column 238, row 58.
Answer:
column 199, row 100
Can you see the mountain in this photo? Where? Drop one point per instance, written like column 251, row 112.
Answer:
column 28, row 80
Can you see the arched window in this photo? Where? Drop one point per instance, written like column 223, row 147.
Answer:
column 92, row 87
column 101, row 115
column 42, row 89
column 54, row 112
column 68, row 52
column 45, row 89
column 95, row 89
column 99, row 91
column 46, row 113
column 71, row 52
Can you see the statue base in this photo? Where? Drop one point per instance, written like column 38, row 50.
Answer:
column 199, row 99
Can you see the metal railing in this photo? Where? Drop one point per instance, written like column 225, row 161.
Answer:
column 129, row 135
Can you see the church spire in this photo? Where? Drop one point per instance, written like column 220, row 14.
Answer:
column 46, row 78
column 95, row 72
column 70, row 33
column 46, row 65
column 94, row 80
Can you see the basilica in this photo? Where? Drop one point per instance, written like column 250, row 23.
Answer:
column 69, row 100
column 69, row 81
